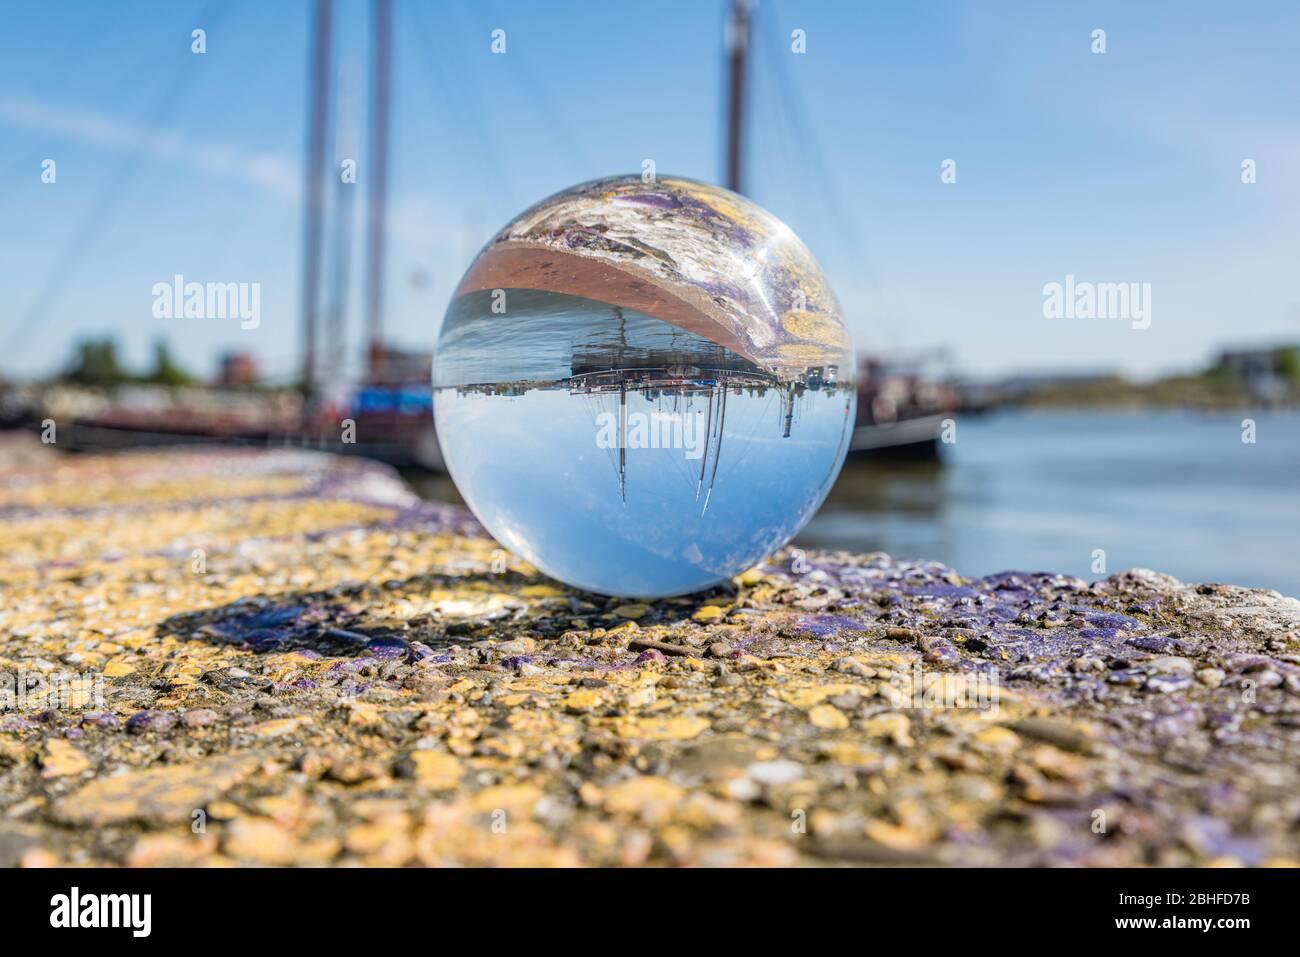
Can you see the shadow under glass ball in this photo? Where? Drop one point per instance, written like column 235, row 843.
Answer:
column 643, row 390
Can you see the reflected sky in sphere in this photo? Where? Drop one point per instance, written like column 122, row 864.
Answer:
column 598, row 444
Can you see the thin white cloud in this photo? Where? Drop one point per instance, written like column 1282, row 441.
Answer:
column 267, row 171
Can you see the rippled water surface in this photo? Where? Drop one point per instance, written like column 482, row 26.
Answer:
column 1175, row 491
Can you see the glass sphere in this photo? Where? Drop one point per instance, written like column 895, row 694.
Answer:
column 643, row 389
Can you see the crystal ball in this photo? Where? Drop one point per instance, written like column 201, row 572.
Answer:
column 643, row 389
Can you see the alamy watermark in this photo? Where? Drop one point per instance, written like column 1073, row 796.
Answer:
column 179, row 299
column 34, row 691
column 1073, row 299
column 925, row 689
column 653, row 430
column 130, row 911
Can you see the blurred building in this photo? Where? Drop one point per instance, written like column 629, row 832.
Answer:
column 238, row 370
column 1268, row 374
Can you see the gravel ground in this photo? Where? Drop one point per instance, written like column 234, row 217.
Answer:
column 285, row 658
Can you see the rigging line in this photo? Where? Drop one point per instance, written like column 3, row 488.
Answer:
column 235, row 248
column 534, row 87
column 656, row 431
column 67, row 266
column 782, row 133
column 84, row 60
column 488, row 163
column 750, row 446
column 807, row 140
column 717, row 452
column 592, row 400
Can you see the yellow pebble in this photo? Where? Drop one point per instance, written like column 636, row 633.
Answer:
column 829, row 717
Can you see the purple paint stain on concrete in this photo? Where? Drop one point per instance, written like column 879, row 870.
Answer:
column 821, row 626
column 387, row 647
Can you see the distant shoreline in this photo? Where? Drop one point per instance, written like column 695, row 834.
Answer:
column 1193, row 392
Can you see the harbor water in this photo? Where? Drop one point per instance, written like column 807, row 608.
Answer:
column 1179, row 492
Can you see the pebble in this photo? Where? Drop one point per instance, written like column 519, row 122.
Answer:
column 852, row 666
column 828, row 717
column 102, row 720
column 13, row 845
column 1055, row 731
column 434, row 770
column 1210, row 677
column 261, row 841
column 775, row 773
column 631, row 611
column 848, row 702
column 1168, row 684
column 354, row 770
column 62, row 759
column 155, row 796
column 1172, row 664
column 743, row 789
column 199, row 717
column 144, row 722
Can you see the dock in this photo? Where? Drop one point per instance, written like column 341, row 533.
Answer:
column 285, row 657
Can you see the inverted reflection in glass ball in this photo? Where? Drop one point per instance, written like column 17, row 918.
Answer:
column 643, row 389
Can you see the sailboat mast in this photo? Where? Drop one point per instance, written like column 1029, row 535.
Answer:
column 737, row 39
column 346, row 143
column 318, row 79
column 622, row 441
column 381, row 81
column 717, row 451
column 708, row 434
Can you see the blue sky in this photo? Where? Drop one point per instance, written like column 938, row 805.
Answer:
column 1118, row 167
